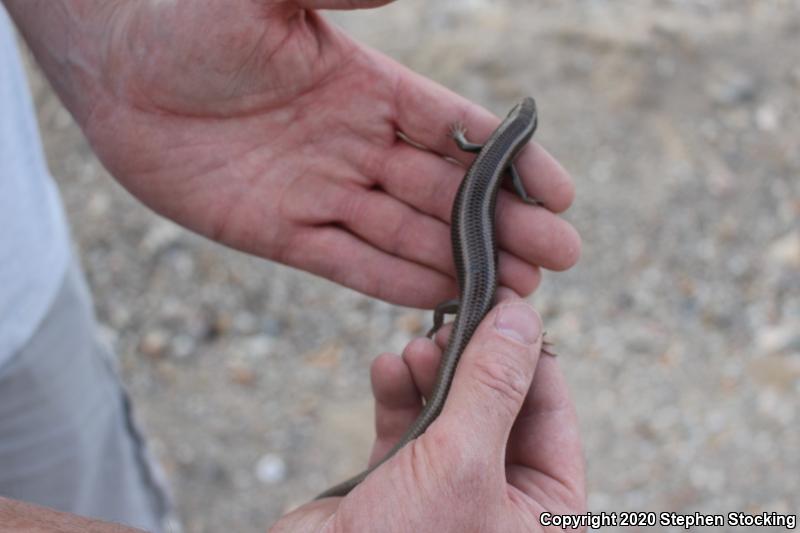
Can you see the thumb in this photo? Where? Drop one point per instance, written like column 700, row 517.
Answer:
column 494, row 375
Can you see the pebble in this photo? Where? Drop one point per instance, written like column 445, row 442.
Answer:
column 242, row 374
column 773, row 405
column 255, row 346
column 220, row 325
column 767, row 118
column 182, row 346
column 776, row 371
column 153, row 343
column 270, row 469
column 784, row 337
column 732, row 88
column 410, row 322
column 326, row 357
column 271, row 326
column 785, row 251
column 99, row 204
column 160, row 235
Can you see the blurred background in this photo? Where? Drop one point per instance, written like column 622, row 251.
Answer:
column 679, row 330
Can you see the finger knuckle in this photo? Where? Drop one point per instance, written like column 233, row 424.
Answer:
column 503, row 377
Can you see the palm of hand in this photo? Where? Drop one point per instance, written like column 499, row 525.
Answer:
column 249, row 133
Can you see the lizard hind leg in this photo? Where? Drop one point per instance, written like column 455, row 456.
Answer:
column 448, row 307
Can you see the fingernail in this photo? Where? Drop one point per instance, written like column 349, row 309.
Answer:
column 518, row 321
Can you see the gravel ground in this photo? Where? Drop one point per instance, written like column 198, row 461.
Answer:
column 679, row 330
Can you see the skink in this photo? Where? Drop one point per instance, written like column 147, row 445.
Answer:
column 475, row 255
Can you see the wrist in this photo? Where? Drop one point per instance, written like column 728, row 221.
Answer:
column 73, row 42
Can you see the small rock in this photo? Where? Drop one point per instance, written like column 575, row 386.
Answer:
column 779, row 338
column 732, row 88
column 160, row 236
column 271, row 326
column 767, row 118
column 99, row 204
column 785, row 251
column 153, row 344
column 326, row 357
column 181, row 261
column 773, row 405
column 256, row 346
column 270, row 469
column 242, row 374
column 777, row 371
column 410, row 323
column 182, row 346
column 220, row 325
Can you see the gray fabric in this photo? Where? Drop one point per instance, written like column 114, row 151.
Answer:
column 34, row 242
column 67, row 439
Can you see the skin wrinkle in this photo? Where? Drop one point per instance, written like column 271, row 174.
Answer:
column 174, row 148
column 67, row 79
column 322, row 34
column 423, row 243
column 228, row 202
column 397, row 163
column 60, row 50
column 501, row 378
column 570, row 489
column 113, row 79
column 395, row 232
column 255, row 105
column 548, row 490
column 290, row 194
column 313, row 23
column 219, row 230
column 373, row 162
column 553, row 497
column 351, row 207
column 253, row 55
column 247, row 63
column 323, row 267
column 398, row 241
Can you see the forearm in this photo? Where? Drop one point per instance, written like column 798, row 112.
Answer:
column 71, row 40
column 19, row 516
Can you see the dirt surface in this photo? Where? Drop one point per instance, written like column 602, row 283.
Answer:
column 679, row 330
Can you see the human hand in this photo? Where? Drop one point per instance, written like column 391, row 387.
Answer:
column 260, row 125
column 505, row 448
